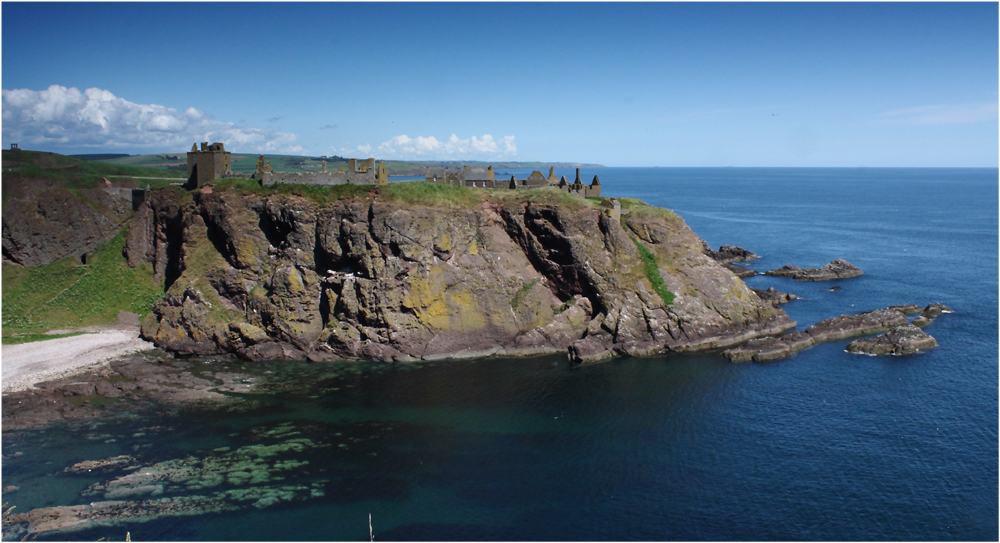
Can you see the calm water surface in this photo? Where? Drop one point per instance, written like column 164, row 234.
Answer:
column 824, row 445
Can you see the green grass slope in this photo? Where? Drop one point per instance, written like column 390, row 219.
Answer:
column 68, row 294
column 77, row 173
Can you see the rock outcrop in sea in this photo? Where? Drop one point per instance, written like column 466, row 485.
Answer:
column 904, row 339
column 727, row 254
column 373, row 276
column 838, row 269
column 776, row 297
column 901, row 337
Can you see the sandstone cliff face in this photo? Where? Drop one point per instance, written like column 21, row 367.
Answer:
column 282, row 276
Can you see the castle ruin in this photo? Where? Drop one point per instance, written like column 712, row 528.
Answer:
column 478, row 177
column 364, row 172
column 211, row 162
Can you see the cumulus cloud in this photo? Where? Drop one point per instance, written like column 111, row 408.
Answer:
column 429, row 147
column 943, row 114
column 61, row 117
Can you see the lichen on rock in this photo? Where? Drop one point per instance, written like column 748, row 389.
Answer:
column 365, row 277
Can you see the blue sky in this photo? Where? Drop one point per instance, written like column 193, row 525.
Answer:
column 704, row 84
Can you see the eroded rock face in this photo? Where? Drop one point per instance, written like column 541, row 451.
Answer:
column 361, row 278
column 55, row 224
column 838, row 269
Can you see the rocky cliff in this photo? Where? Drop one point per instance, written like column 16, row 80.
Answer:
column 45, row 225
column 375, row 274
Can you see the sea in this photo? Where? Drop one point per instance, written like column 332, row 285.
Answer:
column 824, row 445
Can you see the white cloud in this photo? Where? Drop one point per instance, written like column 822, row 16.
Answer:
column 61, row 117
column 429, row 147
column 943, row 114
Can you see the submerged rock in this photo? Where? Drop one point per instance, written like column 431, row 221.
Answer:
column 110, row 390
column 123, row 461
column 254, row 475
column 904, row 339
column 838, row 269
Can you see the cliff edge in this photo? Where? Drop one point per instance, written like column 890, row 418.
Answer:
column 416, row 271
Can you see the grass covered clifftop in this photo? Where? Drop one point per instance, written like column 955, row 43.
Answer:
column 54, row 170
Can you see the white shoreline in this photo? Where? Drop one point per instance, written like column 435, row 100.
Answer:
column 27, row 364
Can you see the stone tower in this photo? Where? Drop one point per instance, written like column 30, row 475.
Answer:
column 211, row 162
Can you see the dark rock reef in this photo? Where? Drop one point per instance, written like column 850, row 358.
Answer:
column 776, row 297
column 838, row 269
column 727, row 254
column 904, row 339
column 369, row 277
column 119, row 388
column 900, row 339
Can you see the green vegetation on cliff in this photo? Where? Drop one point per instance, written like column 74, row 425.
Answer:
column 637, row 208
column 68, row 294
column 652, row 269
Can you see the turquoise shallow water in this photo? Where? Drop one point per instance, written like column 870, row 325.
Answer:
column 824, row 445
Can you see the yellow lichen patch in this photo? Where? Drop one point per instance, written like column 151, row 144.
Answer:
column 246, row 252
column 295, row 285
column 467, row 313
column 426, row 297
column 445, row 242
column 441, row 309
column 473, row 249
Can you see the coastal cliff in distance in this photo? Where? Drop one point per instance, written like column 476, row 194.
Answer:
column 416, row 271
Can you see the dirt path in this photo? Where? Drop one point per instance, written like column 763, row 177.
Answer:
column 29, row 363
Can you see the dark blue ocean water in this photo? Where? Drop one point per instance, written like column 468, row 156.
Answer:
column 821, row 446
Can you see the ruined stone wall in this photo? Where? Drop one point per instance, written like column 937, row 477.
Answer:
column 586, row 191
column 307, row 178
column 135, row 197
column 365, row 174
column 362, row 173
